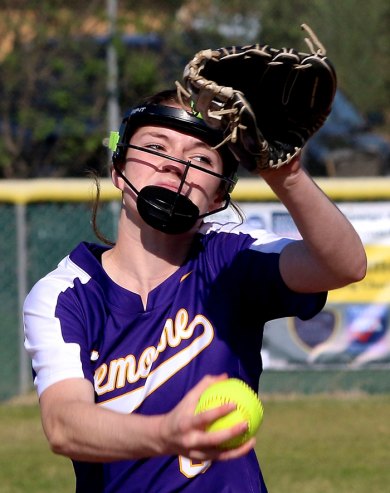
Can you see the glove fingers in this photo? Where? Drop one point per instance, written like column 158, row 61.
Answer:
column 318, row 84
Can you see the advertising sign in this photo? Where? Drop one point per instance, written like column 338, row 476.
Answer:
column 353, row 329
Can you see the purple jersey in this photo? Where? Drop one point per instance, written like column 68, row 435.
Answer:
column 207, row 318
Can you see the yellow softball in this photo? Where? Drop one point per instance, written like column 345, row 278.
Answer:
column 248, row 408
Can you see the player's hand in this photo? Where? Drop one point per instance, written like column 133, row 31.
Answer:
column 291, row 169
column 184, row 433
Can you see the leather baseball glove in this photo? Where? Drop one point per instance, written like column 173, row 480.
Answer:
column 268, row 102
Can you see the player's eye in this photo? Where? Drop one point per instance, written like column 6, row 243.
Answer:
column 155, row 147
column 203, row 160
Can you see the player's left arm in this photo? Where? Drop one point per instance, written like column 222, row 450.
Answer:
column 330, row 254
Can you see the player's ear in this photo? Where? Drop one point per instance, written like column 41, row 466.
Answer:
column 221, row 195
column 218, row 201
column 116, row 178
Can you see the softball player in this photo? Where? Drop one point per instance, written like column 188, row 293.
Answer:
column 125, row 338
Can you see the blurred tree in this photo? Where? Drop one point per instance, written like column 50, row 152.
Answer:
column 47, row 81
column 53, row 85
column 357, row 35
column 53, row 71
column 202, row 24
column 280, row 22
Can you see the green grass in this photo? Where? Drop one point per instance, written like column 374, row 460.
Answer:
column 307, row 444
column 26, row 463
column 326, row 444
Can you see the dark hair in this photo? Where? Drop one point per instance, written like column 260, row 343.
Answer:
column 167, row 96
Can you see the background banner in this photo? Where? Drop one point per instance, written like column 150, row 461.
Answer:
column 353, row 328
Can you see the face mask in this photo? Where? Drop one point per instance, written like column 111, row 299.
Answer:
column 167, row 210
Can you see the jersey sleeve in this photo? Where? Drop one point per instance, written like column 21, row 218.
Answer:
column 248, row 261
column 261, row 285
column 50, row 312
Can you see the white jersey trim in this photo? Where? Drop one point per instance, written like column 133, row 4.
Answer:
column 52, row 358
column 264, row 241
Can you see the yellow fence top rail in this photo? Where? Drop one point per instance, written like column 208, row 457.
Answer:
column 247, row 189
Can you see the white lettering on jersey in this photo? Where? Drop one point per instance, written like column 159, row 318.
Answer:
column 129, row 370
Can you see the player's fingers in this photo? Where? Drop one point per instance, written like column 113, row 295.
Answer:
column 198, row 438
column 211, row 442
column 217, row 438
column 217, row 453
column 237, row 452
column 205, row 418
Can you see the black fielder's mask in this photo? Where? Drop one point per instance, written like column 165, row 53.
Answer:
column 163, row 209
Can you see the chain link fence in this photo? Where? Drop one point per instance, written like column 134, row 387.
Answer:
column 35, row 237
column 9, row 321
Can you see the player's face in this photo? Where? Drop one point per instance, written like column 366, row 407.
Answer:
column 143, row 168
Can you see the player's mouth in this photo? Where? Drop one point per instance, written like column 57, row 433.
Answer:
column 174, row 186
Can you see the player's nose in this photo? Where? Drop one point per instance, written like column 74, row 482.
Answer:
column 175, row 164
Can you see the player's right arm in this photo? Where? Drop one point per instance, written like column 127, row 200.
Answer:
column 56, row 337
column 78, row 428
